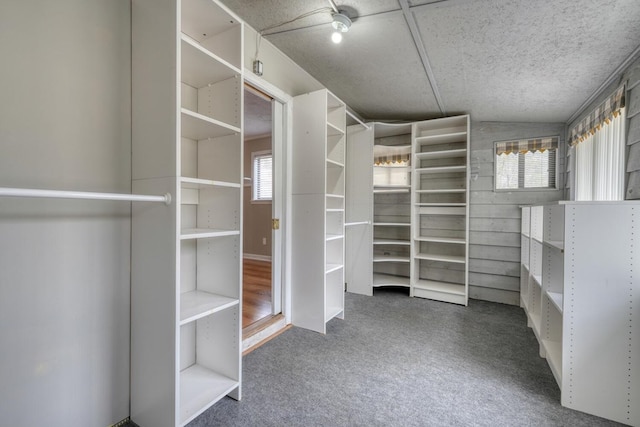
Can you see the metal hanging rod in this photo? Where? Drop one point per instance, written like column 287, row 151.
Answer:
column 57, row 194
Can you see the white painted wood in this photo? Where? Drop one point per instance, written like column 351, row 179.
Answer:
column 318, row 259
column 440, row 209
column 582, row 307
column 186, row 351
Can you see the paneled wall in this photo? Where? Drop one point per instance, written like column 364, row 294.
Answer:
column 494, row 223
column 65, row 123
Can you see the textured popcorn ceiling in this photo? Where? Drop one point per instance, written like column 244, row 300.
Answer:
column 498, row 60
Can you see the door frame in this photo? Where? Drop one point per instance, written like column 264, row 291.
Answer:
column 282, row 154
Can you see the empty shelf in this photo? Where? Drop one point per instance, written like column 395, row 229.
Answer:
column 537, row 279
column 556, row 299
column 199, row 389
column 334, row 164
column 332, row 267
column 391, row 242
column 391, row 224
column 441, row 138
column 441, row 190
column 444, row 154
column 558, row 244
column 380, row 279
column 438, row 286
column 197, row 126
column 441, row 240
column 389, row 258
column 442, row 169
column 333, row 130
column 197, row 304
column 202, row 233
column 200, row 67
column 198, row 183
column 443, row 258
column 334, row 237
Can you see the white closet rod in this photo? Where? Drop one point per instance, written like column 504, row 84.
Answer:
column 349, row 224
column 56, row 194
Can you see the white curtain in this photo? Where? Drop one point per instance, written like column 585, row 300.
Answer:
column 599, row 172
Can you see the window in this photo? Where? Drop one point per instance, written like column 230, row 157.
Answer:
column 526, row 164
column 262, row 180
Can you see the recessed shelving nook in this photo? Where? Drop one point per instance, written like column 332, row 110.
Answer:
column 579, row 289
column 440, row 210
column 318, row 217
column 186, row 272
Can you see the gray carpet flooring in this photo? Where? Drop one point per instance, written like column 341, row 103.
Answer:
column 400, row 361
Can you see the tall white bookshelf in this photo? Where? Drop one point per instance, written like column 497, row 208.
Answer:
column 318, row 239
column 186, row 262
column 440, row 209
column 581, row 291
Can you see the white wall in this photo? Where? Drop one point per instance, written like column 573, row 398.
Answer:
column 64, row 265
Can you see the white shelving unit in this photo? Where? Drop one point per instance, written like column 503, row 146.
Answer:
column 580, row 290
column 318, row 273
column 186, row 262
column 378, row 198
column 440, row 209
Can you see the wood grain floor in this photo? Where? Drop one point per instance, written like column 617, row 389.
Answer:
column 256, row 294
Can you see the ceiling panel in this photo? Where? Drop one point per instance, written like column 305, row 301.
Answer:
column 375, row 70
column 525, row 60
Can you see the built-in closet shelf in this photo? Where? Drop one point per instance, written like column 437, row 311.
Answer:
column 392, row 224
column 558, row 244
column 556, row 299
column 334, row 164
column 333, row 130
column 441, row 190
column 445, row 138
column 332, row 267
column 441, row 169
column 198, row 183
column 334, row 237
column 440, row 240
column 379, row 189
column 537, row 279
column 442, row 210
column 391, row 242
column 380, row 279
column 443, row 258
column 197, row 126
column 438, row 286
column 385, row 258
column 335, row 210
column 445, row 154
column 197, row 304
column 200, row 67
column 199, row 389
column 332, row 311
column 203, row 233
column 337, row 196
column 442, row 205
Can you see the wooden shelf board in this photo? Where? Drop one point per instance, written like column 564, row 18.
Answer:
column 202, row 233
column 443, row 258
column 442, row 169
column 556, row 299
column 198, row 183
column 333, row 130
column 199, row 389
column 390, row 190
column 442, row 204
column 441, row 138
column 335, row 196
column 444, row 154
column 392, row 224
column 335, row 210
column 442, row 210
column 380, row 279
column 197, row 126
column 440, row 240
column 442, row 190
column 553, row 351
column 332, row 267
column 438, row 286
column 334, row 237
column 388, row 258
column 391, row 242
column 334, row 164
column 200, row 67
column 537, row 279
column 558, row 244
column 195, row 305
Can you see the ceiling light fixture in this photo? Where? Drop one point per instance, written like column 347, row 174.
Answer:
column 341, row 23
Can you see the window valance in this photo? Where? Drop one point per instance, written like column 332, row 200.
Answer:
column 526, row 145
column 603, row 114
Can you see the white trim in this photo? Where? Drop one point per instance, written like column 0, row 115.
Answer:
column 257, row 257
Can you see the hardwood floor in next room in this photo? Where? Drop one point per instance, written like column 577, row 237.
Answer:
column 256, row 294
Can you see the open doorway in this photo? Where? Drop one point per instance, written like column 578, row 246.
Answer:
column 261, row 284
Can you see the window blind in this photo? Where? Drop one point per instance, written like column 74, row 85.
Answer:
column 262, row 177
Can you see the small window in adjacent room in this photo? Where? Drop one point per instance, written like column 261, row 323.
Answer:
column 526, row 164
column 262, row 180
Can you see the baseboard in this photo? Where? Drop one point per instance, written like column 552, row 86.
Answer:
column 257, row 257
